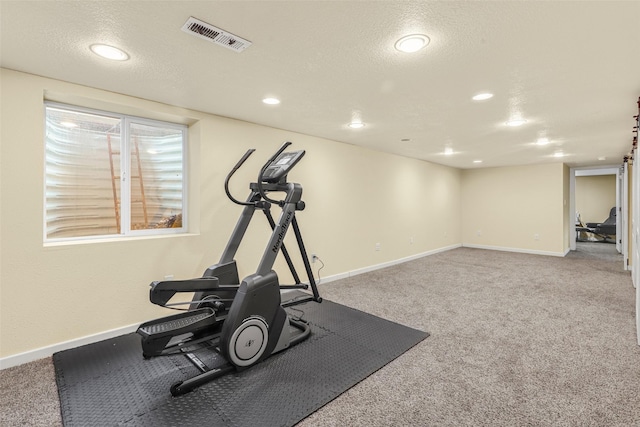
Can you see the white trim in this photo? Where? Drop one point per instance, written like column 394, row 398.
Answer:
column 634, row 225
column 39, row 353
column 595, row 171
column 572, row 210
column 626, row 221
column 333, row 278
column 401, row 260
column 619, row 207
column 42, row 352
column 432, row 252
column 519, row 250
column 386, row 264
column 621, row 202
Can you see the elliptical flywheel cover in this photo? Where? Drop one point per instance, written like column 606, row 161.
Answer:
column 248, row 341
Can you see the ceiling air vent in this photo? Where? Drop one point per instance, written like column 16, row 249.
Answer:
column 215, row 35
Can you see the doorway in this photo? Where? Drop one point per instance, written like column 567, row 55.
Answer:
column 596, row 197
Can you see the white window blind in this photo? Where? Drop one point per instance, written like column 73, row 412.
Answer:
column 111, row 175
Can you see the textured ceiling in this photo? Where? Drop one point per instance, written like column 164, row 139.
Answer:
column 571, row 69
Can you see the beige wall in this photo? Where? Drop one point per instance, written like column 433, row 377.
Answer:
column 355, row 199
column 517, row 208
column 595, row 196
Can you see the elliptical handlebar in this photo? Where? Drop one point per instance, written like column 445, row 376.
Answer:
column 266, row 165
column 230, row 174
column 260, row 176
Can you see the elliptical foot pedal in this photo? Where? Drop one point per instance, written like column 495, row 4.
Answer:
column 157, row 334
column 182, row 387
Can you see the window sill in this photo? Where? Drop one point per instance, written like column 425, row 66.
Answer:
column 116, row 239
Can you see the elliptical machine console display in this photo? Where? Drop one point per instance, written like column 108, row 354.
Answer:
column 244, row 321
column 280, row 167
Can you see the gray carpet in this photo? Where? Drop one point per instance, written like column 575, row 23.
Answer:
column 597, row 251
column 517, row 340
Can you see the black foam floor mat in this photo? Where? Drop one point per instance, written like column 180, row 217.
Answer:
column 109, row 382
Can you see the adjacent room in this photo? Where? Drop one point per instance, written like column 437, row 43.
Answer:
column 319, row 213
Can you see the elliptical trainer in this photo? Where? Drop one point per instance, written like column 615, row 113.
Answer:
column 245, row 322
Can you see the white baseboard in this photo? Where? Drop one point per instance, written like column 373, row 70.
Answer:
column 518, row 250
column 386, row 264
column 42, row 352
column 39, row 353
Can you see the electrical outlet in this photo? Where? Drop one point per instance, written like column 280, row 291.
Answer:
column 479, row 232
column 536, row 236
column 377, row 246
column 411, row 240
column 314, row 258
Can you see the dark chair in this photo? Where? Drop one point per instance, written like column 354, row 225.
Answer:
column 607, row 228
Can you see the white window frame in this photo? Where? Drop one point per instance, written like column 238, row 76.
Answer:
column 125, row 183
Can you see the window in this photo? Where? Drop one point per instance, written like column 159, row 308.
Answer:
column 111, row 175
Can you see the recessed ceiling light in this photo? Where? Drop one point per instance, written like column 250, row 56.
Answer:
column 516, row 122
column 558, row 154
column 482, row 96
column 542, row 141
column 271, row 101
column 477, row 161
column 356, row 125
column 602, row 158
column 448, row 151
column 412, row 43
column 109, row 52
